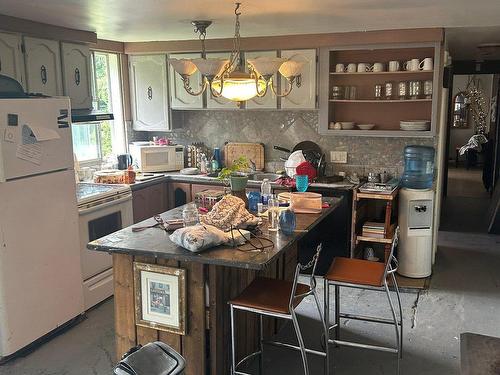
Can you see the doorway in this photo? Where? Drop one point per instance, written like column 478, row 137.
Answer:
column 472, row 172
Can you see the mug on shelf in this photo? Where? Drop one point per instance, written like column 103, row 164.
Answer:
column 426, row 64
column 394, row 66
column 412, row 65
column 378, row 67
column 351, row 68
column 428, row 89
column 339, row 68
column 364, row 67
column 378, row 91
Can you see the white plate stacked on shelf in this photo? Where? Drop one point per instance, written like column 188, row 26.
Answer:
column 415, row 125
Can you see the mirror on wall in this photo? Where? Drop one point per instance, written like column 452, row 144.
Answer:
column 460, row 110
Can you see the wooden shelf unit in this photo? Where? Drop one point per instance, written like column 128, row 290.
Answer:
column 359, row 217
column 365, row 109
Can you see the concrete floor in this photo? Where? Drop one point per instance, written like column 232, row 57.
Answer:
column 464, row 296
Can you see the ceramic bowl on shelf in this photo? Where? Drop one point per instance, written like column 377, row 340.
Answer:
column 347, row 125
column 366, row 126
column 415, row 125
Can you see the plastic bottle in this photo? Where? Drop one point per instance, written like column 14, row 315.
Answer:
column 265, row 191
column 419, row 167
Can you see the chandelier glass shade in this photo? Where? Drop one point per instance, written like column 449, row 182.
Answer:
column 227, row 78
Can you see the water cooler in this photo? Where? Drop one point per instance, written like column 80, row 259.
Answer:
column 415, row 224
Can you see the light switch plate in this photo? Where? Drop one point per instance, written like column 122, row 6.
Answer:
column 339, row 157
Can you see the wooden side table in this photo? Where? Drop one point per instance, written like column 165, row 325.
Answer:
column 361, row 201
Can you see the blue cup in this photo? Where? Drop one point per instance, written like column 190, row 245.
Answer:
column 253, row 200
column 301, row 182
column 287, row 222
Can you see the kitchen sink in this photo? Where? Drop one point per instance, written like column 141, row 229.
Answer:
column 260, row 176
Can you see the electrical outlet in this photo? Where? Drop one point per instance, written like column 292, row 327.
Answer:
column 339, row 157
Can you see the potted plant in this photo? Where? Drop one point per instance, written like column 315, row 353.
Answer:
column 236, row 174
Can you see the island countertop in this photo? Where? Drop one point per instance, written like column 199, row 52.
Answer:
column 155, row 242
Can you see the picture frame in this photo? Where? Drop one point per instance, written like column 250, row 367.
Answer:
column 160, row 297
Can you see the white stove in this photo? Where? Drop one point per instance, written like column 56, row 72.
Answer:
column 103, row 209
column 91, row 194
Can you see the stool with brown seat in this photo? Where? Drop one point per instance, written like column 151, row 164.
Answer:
column 278, row 298
column 364, row 274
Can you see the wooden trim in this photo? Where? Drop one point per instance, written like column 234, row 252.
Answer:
column 43, row 30
column 123, row 275
column 292, row 41
column 109, row 46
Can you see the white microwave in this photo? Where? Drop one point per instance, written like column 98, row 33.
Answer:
column 152, row 158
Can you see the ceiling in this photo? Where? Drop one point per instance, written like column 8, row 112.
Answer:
column 147, row 20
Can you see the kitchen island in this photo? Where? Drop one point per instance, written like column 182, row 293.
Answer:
column 213, row 277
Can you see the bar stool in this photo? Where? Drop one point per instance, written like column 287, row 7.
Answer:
column 278, row 298
column 364, row 274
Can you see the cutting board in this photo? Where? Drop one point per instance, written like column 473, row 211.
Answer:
column 252, row 151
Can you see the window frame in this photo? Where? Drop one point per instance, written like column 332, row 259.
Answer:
column 100, row 159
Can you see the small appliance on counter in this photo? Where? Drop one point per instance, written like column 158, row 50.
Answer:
column 155, row 158
column 124, row 161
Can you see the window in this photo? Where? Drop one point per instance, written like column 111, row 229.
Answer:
column 94, row 143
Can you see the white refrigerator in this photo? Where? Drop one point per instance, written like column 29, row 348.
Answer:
column 40, row 274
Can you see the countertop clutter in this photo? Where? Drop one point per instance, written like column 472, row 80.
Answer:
column 156, row 243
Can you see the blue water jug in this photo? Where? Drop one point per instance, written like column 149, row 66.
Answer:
column 419, row 167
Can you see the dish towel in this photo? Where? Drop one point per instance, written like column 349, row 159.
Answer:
column 230, row 213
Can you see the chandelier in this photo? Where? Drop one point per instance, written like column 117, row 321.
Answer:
column 228, row 78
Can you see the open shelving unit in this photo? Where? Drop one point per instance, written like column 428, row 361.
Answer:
column 365, row 109
column 369, row 207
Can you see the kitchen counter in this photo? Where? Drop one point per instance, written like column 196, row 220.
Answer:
column 155, row 243
column 213, row 277
column 204, row 179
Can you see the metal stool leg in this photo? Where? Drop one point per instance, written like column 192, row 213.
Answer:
column 337, row 312
column 233, row 352
column 396, row 287
column 396, row 326
column 261, row 345
column 325, row 331
column 301, row 342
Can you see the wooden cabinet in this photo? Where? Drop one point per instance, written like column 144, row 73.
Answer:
column 11, row 59
column 43, row 66
column 149, row 201
column 268, row 101
column 303, row 97
column 179, row 193
column 76, row 63
column 179, row 97
column 148, row 86
column 361, row 107
column 220, row 102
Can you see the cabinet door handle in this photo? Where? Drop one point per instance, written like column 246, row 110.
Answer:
column 77, row 76
column 43, row 74
column 150, row 93
column 0, row 65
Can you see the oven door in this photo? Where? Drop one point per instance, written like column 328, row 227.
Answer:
column 96, row 222
column 157, row 159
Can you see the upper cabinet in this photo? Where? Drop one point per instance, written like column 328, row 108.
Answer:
column 149, row 98
column 179, row 97
column 11, row 59
column 76, row 74
column 214, row 102
column 303, row 97
column 43, row 66
column 269, row 100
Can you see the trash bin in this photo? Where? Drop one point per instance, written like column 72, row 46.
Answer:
column 155, row 358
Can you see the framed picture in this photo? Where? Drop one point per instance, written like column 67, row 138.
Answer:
column 160, row 297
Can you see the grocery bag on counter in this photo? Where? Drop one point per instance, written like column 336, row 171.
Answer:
column 199, row 237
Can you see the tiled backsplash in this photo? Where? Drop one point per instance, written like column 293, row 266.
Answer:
column 286, row 128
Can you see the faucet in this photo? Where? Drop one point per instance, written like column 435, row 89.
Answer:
column 253, row 166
